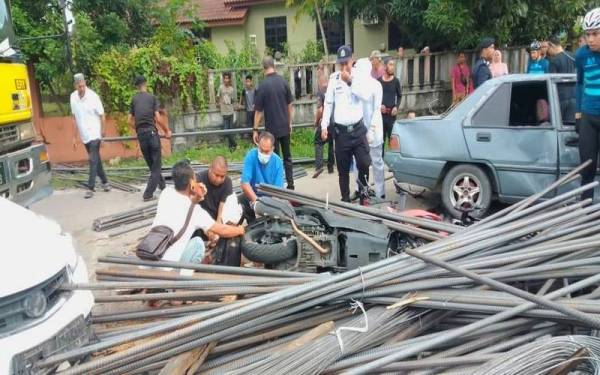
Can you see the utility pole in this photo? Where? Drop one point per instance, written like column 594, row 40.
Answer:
column 63, row 6
column 347, row 36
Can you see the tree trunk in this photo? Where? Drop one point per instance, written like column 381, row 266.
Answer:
column 347, row 36
column 323, row 37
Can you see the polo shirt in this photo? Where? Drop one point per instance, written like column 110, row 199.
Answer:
column 87, row 112
column 255, row 173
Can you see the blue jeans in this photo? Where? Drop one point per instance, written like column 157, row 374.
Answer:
column 194, row 251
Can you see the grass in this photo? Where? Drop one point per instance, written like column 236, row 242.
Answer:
column 302, row 147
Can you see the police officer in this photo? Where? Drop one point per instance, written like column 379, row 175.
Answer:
column 344, row 99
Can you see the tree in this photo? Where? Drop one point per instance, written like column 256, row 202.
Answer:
column 444, row 24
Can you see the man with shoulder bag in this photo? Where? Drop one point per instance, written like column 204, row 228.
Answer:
column 178, row 215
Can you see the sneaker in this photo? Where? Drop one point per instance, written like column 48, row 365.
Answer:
column 355, row 196
column 291, row 187
column 330, row 170
column 89, row 194
column 150, row 198
column 317, row 172
column 106, row 187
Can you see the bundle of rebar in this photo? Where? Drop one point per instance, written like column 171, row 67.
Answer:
column 516, row 293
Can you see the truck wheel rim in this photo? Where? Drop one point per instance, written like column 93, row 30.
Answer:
column 466, row 191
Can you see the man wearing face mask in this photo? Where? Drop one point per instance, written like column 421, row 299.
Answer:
column 261, row 166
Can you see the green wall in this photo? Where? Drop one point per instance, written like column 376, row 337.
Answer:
column 368, row 38
column 218, row 36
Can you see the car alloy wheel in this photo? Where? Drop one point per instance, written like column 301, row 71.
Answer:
column 466, row 191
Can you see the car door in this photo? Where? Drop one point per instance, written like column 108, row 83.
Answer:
column 504, row 132
column 568, row 139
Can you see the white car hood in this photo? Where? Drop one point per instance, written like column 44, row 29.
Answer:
column 32, row 247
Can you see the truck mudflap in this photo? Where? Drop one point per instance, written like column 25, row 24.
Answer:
column 25, row 175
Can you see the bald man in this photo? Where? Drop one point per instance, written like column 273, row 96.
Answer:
column 218, row 186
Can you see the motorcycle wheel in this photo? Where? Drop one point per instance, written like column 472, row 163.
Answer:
column 266, row 253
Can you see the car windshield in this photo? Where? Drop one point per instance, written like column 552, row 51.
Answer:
column 7, row 34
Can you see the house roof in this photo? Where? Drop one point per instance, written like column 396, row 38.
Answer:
column 215, row 13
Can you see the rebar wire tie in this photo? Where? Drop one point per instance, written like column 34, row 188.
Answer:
column 338, row 332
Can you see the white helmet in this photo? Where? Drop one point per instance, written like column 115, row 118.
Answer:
column 591, row 20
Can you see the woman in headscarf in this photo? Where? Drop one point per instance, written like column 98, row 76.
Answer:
column 497, row 67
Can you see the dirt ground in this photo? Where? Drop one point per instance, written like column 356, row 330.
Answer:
column 76, row 214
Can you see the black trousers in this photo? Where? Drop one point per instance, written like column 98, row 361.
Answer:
column 589, row 144
column 388, row 125
column 319, row 146
column 150, row 147
column 96, row 169
column 348, row 145
column 247, row 211
column 228, row 124
column 283, row 144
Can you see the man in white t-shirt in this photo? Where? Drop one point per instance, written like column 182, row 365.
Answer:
column 89, row 118
column 173, row 206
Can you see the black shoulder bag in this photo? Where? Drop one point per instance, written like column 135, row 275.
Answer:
column 154, row 245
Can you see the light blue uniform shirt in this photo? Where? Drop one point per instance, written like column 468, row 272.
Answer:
column 255, row 173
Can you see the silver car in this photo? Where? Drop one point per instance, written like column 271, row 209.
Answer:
column 511, row 138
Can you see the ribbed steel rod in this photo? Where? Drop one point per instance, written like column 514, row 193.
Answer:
column 420, row 347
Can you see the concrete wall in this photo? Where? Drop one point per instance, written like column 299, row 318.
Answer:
column 58, row 132
column 368, row 38
column 219, row 35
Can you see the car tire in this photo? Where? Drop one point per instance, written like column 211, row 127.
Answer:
column 266, row 253
column 466, row 185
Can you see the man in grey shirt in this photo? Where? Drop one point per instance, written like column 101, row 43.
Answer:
column 226, row 98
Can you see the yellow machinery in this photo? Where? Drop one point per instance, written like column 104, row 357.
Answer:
column 24, row 166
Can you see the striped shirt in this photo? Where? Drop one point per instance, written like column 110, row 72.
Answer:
column 587, row 63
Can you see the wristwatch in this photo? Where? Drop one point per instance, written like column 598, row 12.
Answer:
column 254, row 129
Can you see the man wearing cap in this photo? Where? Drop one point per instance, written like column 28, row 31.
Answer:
column 144, row 115
column 481, row 69
column 89, row 118
column 345, row 99
column 376, row 61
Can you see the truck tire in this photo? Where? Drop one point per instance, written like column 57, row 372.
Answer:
column 266, row 253
column 466, row 185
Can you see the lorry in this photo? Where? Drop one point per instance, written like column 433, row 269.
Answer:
column 511, row 138
column 24, row 165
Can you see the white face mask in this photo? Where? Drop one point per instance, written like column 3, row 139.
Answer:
column 264, row 158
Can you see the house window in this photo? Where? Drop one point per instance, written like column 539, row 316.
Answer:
column 334, row 32
column 275, row 33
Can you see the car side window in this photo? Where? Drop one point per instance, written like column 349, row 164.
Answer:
column 566, row 98
column 494, row 112
column 529, row 105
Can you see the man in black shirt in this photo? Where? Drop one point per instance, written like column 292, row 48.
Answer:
column 144, row 113
column 320, row 143
column 218, row 187
column 274, row 101
column 562, row 61
column 392, row 96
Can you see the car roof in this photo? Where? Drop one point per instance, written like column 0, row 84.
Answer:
column 535, row 77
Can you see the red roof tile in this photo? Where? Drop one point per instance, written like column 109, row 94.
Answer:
column 216, row 13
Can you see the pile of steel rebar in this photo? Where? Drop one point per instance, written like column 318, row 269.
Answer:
column 516, row 293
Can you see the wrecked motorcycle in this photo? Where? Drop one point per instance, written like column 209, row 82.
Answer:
column 310, row 239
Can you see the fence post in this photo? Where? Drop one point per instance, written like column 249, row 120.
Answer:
column 416, row 80
column 303, row 82
column 211, row 90
column 427, row 71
